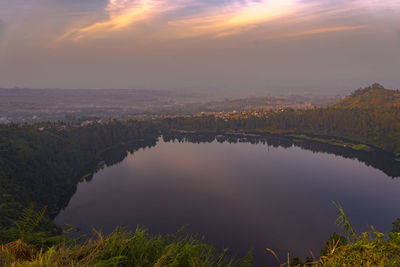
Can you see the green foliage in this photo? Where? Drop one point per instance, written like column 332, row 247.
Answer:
column 344, row 222
column 29, row 220
column 361, row 147
column 45, row 166
column 372, row 249
column 335, row 241
column 123, row 248
column 396, row 226
column 296, row 262
column 246, row 261
column 354, row 119
column 373, row 96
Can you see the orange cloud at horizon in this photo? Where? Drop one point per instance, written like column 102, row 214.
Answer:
column 324, row 30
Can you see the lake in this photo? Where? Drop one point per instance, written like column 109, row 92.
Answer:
column 245, row 193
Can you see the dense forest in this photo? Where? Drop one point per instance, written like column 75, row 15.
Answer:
column 43, row 163
column 369, row 116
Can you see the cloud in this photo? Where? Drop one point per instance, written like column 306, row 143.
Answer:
column 276, row 18
column 378, row 4
column 221, row 19
column 231, row 19
column 325, row 30
column 122, row 14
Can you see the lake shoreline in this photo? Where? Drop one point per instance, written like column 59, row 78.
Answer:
column 296, row 138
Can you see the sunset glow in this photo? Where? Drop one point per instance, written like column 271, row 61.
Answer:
column 219, row 20
column 202, row 39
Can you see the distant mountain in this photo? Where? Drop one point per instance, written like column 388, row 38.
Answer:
column 374, row 96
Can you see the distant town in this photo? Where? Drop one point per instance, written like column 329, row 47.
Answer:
column 87, row 106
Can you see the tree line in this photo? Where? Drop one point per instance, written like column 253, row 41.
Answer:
column 43, row 163
column 379, row 127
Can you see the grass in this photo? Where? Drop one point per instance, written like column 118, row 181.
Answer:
column 361, row 147
column 371, row 249
column 125, row 248
column 334, row 142
column 122, row 248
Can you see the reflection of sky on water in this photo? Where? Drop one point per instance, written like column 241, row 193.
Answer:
column 237, row 195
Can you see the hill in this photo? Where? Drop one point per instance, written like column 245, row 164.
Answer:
column 374, row 96
column 367, row 118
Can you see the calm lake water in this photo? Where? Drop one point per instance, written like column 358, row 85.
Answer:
column 238, row 195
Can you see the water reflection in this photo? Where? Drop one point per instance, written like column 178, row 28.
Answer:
column 111, row 156
column 377, row 159
column 118, row 153
column 276, row 194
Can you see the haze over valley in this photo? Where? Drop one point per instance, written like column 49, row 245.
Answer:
column 212, row 133
column 35, row 105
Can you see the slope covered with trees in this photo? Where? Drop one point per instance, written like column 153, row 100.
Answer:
column 42, row 164
column 374, row 96
column 354, row 118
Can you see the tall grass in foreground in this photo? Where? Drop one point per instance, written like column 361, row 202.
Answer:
column 122, row 248
column 366, row 249
column 351, row 249
column 371, row 249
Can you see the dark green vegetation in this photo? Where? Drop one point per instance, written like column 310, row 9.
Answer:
column 122, row 248
column 375, row 96
column 370, row 116
column 366, row 249
column 352, row 249
column 369, row 249
column 43, row 163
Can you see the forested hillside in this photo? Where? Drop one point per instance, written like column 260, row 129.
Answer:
column 354, row 118
column 374, row 96
column 43, row 163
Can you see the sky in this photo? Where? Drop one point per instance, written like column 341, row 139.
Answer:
column 230, row 47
